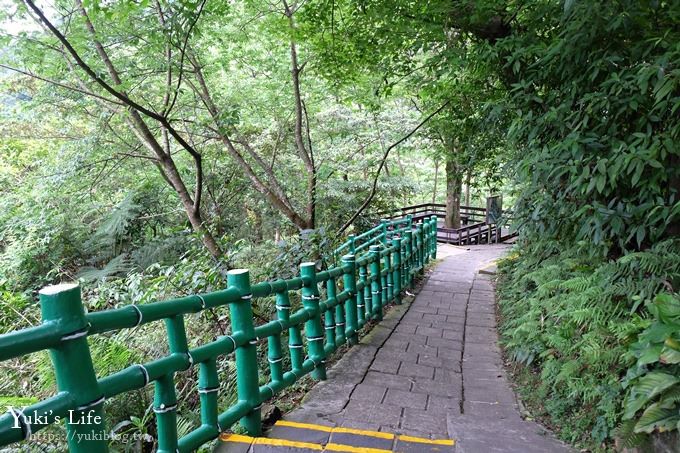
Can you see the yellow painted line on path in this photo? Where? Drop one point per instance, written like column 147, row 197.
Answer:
column 236, row 438
column 286, row 443
column 331, row 446
column 327, row 429
column 363, row 432
column 350, row 449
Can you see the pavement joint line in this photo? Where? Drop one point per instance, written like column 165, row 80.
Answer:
column 399, row 318
column 422, row 440
column 462, row 353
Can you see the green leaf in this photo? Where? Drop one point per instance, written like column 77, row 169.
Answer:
column 657, row 417
column 669, row 355
column 664, row 89
column 650, row 355
column 640, row 235
column 646, row 388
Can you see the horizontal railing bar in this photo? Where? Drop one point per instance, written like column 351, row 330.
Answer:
column 50, row 408
column 30, row 340
column 201, row 435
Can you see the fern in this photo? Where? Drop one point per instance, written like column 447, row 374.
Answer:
column 117, row 266
column 573, row 317
column 113, row 228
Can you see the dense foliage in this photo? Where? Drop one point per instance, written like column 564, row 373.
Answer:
column 595, row 94
column 654, row 381
column 584, row 97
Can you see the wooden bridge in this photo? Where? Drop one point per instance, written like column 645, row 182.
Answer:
column 476, row 228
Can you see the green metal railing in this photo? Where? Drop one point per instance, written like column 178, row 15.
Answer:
column 357, row 290
column 379, row 234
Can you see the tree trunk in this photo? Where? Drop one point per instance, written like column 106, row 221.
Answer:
column 206, row 237
column 166, row 164
column 467, row 187
column 258, row 225
column 192, row 211
column 454, row 180
column 436, row 176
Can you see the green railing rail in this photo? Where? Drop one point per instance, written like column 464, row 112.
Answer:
column 379, row 234
column 370, row 281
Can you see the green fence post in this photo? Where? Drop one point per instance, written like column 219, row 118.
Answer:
column 396, row 274
column 351, row 315
column 208, row 385
column 433, row 234
column 376, row 283
column 340, row 323
column 433, row 250
column 408, row 264
column 425, row 253
column 404, row 260
column 419, row 246
column 329, row 316
column 275, row 356
column 365, row 302
column 383, row 231
column 352, row 243
column 61, row 305
column 165, row 408
column 247, row 379
column 313, row 328
column 165, row 395
column 425, row 244
column 294, row 336
column 274, row 348
column 388, row 289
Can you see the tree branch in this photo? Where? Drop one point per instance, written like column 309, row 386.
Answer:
column 295, row 70
column 271, row 191
column 93, row 75
column 61, row 85
column 368, row 200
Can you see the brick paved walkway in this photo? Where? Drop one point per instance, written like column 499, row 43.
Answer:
column 431, row 369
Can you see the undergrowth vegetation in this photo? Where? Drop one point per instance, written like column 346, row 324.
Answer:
column 591, row 330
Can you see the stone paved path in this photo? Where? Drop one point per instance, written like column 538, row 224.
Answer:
column 432, row 369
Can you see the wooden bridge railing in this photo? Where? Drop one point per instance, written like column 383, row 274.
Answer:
column 356, row 290
column 477, row 226
column 425, row 210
